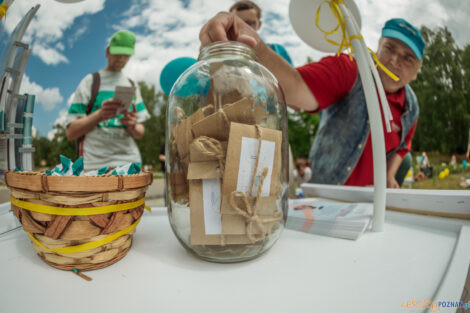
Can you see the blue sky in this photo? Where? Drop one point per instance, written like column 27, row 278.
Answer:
column 68, row 40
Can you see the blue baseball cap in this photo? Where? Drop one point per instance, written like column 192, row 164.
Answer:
column 400, row 29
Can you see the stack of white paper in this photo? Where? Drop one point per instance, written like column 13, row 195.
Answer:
column 329, row 217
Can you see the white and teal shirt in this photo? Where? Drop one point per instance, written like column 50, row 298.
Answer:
column 108, row 144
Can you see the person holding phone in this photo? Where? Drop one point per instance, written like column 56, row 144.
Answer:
column 95, row 118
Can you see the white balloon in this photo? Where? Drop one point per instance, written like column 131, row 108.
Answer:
column 302, row 15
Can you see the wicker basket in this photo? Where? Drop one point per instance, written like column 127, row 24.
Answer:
column 84, row 222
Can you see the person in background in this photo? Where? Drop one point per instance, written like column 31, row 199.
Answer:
column 162, row 157
column 424, row 161
column 342, row 150
column 425, row 168
column 250, row 13
column 107, row 133
column 453, row 160
column 302, row 172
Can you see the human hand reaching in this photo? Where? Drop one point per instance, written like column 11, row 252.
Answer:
column 227, row 26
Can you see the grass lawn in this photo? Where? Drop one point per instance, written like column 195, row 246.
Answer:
column 451, row 182
column 457, row 175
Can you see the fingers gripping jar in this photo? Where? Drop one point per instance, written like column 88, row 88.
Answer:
column 227, row 155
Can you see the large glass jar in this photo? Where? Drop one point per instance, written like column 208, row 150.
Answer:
column 226, row 152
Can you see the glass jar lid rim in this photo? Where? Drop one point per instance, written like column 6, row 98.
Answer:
column 227, row 47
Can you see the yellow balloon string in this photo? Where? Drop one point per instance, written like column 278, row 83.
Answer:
column 3, row 10
column 379, row 64
column 345, row 41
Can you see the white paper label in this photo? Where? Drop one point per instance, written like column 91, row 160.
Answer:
column 248, row 153
column 211, row 203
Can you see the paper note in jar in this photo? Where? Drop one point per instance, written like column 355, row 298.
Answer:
column 242, row 152
column 216, row 125
column 211, row 201
column 204, row 203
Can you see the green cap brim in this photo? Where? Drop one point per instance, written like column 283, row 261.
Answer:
column 121, row 50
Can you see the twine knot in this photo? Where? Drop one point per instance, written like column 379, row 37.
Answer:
column 250, row 211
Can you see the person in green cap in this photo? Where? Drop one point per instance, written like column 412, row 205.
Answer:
column 105, row 132
column 341, row 153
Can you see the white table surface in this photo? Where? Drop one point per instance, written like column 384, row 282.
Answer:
column 416, row 258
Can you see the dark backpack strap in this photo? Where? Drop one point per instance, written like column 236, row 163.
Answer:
column 95, row 87
column 131, row 81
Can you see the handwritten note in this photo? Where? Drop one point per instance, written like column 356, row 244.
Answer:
column 248, row 154
column 211, row 201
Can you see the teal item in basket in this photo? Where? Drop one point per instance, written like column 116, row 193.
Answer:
column 103, row 170
column 47, row 172
column 127, row 169
column 77, row 167
column 99, row 171
column 67, row 168
column 66, row 165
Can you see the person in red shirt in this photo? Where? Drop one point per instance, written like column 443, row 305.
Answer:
column 330, row 80
column 319, row 85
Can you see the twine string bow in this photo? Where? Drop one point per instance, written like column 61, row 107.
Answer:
column 250, row 212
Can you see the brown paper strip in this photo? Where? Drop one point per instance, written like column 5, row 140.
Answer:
column 204, row 170
column 217, row 125
column 198, row 234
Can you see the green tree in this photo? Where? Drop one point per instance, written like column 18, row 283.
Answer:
column 302, row 129
column 154, row 136
column 466, row 69
column 61, row 146
column 50, row 150
column 43, row 150
column 443, row 121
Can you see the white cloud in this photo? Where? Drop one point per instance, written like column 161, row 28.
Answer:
column 49, row 55
column 77, row 34
column 34, row 132
column 48, row 27
column 49, row 98
column 60, row 120
column 172, row 30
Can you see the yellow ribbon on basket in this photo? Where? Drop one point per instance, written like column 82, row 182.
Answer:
column 89, row 245
column 345, row 40
column 93, row 210
column 47, row 209
column 3, row 10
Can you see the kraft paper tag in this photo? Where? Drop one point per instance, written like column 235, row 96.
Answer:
column 241, row 158
column 246, row 111
column 202, row 234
